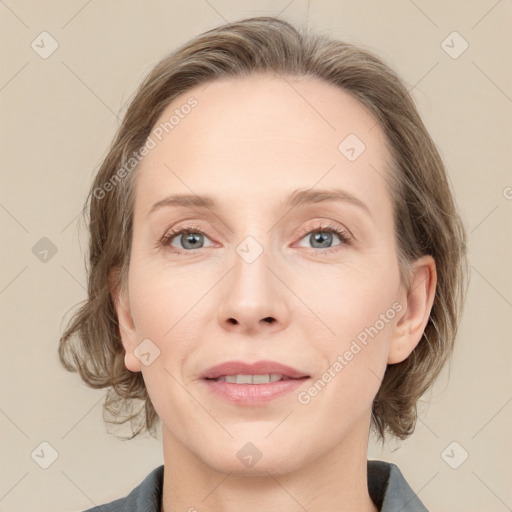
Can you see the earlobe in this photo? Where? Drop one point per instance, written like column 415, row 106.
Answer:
column 418, row 305
column 127, row 329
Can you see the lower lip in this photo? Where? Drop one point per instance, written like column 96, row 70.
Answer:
column 253, row 394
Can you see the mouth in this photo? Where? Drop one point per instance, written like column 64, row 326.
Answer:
column 252, row 384
column 259, row 372
column 253, row 379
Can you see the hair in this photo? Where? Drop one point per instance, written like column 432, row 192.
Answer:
column 425, row 214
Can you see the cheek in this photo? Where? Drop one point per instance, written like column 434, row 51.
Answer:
column 162, row 302
column 350, row 298
column 361, row 312
column 160, row 297
column 169, row 306
column 358, row 309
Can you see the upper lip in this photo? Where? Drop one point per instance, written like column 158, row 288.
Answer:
column 256, row 368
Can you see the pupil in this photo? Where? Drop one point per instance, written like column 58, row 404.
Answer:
column 322, row 237
column 191, row 239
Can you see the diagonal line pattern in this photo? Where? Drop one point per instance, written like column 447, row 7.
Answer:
column 217, row 486
column 81, row 490
column 14, row 485
column 13, row 279
column 307, row 101
column 76, row 14
column 14, row 76
column 491, row 80
column 424, row 14
column 14, row 14
column 421, row 421
column 90, row 409
column 267, row 267
column 374, row 168
column 492, row 211
column 280, row 423
column 198, row 301
column 73, row 277
column 509, row 508
column 213, row 213
column 199, row 403
column 277, row 72
column 417, row 493
column 423, row 77
column 286, row 491
column 14, row 423
column 71, row 221
column 275, row 224
column 80, row 80
column 301, row 301
column 485, row 15
column 380, row 379
column 217, row 11
column 494, row 416
column 492, row 286
column 14, row 218
column 295, row 90
column 284, row 9
column 409, row 90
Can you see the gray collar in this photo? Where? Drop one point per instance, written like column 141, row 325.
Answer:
column 386, row 486
column 389, row 490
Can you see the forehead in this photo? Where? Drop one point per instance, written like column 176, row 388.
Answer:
column 261, row 136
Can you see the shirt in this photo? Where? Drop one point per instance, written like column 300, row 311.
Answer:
column 386, row 486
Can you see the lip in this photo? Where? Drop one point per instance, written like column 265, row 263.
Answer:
column 256, row 368
column 252, row 394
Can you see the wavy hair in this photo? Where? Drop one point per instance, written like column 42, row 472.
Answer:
column 426, row 217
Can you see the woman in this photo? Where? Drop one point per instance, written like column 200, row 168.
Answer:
column 277, row 265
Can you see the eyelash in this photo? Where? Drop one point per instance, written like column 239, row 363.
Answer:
column 343, row 235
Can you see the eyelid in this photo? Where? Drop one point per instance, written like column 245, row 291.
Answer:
column 343, row 234
column 175, row 232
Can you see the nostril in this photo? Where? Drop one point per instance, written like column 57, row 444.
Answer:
column 268, row 319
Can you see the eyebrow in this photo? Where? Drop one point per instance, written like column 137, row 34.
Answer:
column 298, row 198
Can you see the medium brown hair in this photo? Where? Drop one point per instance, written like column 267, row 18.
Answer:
column 426, row 218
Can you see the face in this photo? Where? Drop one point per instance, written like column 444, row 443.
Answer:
column 292, row 261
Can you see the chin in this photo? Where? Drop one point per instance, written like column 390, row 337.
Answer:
column 273, row 465
column 254, row 458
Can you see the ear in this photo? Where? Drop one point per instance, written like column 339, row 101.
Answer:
column 418, row 302
column 127, row 329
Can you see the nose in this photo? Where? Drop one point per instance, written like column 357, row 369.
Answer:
column 253, row 298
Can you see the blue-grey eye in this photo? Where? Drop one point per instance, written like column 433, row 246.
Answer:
column 188, row 239
column 323, row 238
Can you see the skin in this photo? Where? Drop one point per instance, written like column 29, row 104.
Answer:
column 249, row 143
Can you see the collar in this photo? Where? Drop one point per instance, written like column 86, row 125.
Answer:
column 386, row 486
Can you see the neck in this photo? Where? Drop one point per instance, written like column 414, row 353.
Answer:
column 335, row 481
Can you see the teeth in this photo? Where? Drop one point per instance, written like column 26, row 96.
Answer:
column 251, row 379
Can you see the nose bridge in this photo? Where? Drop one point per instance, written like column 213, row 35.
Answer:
column 251, row 278
column 251, row 294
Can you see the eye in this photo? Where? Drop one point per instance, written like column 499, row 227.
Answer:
column 185, row 239
column 321, row 237
column 188, row 239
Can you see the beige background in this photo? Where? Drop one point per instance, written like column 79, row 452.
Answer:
column 58, row 117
